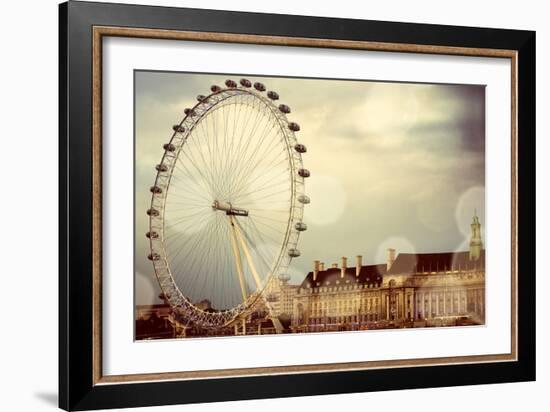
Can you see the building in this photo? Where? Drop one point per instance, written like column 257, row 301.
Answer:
column 409, row 290
column 159, row 321
column 154, row 322
column 280, row 295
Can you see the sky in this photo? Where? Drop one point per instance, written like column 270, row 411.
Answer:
column 396, row 165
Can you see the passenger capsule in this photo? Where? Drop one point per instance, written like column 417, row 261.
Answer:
column 169, row 147
column 245, row 82
column 300, row 226
column 300, row 148
column 304, row 172
column 215, row 88
column 152, row 212
column 153, row 256
column 201, row 98
column 259, row 86
column 304, row 199
column 152, row 235
column 178, row 129
column 284, row 108
column 161, row 168
column 295, row 127
column 155, row 190
column 273, row 95
column 189, row 112
column 230, row 83
column 293, row 252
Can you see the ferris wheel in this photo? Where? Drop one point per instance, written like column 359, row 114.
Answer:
column 227, row 203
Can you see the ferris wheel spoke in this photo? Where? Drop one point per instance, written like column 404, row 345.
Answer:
column 215, row 149
column 245, row 166
column 262, row 217
column 178, row 205
column 237, row 259
column 255, row 232
column 254, row 165
column 223, row 157
column 172, row 229
column 256, row 179
column 185, row 193
column 245, row 137
column 196, row 199
column 232, row 148
column 229, row 266
column 265, row 235
column 269, row 147
column 253, row 149
column 262, row 257
column 251, row 172
column 216, row 159
column 263, row 188
column 268, row 195
column 196, row 149
column 219, row 140
column 177, row 262
column 186, row 231
column 236, row 120
column 198, row 268
column 220, row 173
column 183, row 230
column 204, row 126
column 174, row 238
column 179, row 220
column 246, row 250
column 218, row 280
column 199, row 171
column 221, row 130
column 180, row 166
column 260, row 210
column 186, row 265
column 214, row 247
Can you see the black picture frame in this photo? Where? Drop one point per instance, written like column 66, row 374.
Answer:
column 77, row 390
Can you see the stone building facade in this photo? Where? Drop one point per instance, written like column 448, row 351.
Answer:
column 409, row 290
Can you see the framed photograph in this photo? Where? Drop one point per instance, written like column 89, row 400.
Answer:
column 257, row 205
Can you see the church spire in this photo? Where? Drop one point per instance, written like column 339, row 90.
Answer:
column 475, row 239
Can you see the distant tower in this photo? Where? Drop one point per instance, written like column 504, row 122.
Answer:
column 475, row 240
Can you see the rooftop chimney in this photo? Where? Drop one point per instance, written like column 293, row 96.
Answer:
column 315, row 269
column 344, row 266
column 335, row 266
column 322, row 266
column 391, row 258
column 358, row 264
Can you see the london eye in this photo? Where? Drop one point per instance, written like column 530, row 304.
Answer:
column 227, row 203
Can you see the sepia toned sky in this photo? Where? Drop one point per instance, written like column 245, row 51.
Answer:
column 392, row 164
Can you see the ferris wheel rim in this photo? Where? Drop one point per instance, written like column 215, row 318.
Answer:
column 163, row 178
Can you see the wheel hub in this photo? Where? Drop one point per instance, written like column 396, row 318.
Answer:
column 229, row 209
